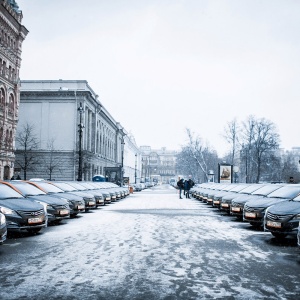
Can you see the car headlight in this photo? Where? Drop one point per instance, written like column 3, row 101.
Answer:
column 7, row 211
column 297, row 217
column 2, row 219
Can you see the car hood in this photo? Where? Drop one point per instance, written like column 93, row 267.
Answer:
column 265, row 202
column 230, row 196
column 285, row 208
column 21, row 204
column 49, row 200
column 245, row 198
column 83, row 194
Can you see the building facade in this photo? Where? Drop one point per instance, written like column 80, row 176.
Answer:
column 76, row 137
column 158, row 165
column 12, row 35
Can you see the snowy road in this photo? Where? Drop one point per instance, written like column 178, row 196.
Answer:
column 150, row 245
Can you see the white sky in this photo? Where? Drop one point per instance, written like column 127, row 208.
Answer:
column 161, row 66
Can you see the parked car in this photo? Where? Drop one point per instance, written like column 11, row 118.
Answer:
column 227, row 199
column 217, row 198
column 76, row 203
column 57, row 208
column 85, row 187
column 237, row 204
column 282, row 219
column 88, row 198
column 254, row 210
column 21, row 214
column 3, row 228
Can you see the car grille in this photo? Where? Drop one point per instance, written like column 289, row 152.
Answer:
column 98, row 197
column 237, row 204
column 31, row 213
column 273, row 217
column 61, row 206
column 252, row 209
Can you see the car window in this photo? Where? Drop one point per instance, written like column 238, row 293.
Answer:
column 27, row 189
column 267, row 189
column 289, row 192
column 8, row 192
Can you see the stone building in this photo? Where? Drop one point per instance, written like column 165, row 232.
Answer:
column 12, row 35
column 73, row 131
column 158, row 165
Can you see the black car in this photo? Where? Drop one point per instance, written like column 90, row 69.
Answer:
column 21, row 214
column 86, row 187
column 3, row 228
column 57, row 208
column 254, row 211
column 238, row 203
column 227, row 199
column 76, row 203
column 89, row 199
column 282, row 219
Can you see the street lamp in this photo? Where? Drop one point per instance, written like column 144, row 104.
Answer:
column 80, row 130
column 235, row 171
column 135, row 168
column 122, row 160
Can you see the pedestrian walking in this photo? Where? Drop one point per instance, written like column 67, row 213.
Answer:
column 180, row 184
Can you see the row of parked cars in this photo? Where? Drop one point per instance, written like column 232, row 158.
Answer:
column 35, row 204
column 272, row 207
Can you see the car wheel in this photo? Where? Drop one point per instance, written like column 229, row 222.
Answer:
column 73, row 215
column 279, row 235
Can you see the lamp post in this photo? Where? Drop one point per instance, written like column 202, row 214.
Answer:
column 135, row 168
column 122, row 160
column 235, row 171
column 80, row 130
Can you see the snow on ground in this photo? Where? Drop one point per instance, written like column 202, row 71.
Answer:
column 150, row 245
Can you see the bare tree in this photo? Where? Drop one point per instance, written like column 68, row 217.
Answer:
column 53, row 162
column 231, row 134
column 199, row 157
column 26, row 145
column 259, row 140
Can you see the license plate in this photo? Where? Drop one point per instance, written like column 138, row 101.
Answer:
column 80, row 207
column 63, row 212
column 250, row 214
column 209, row 200
column 35, row 220
column 273, row 224
column 225, row 205
column 91, row 203
column 217, row 202
column 235, row 209
column 107, row 198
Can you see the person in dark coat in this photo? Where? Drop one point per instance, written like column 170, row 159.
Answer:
column 188, row 184
column 180, row 184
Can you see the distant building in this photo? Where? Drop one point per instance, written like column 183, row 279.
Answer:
column 158, row 164
column 53, row 108
column 12, row 35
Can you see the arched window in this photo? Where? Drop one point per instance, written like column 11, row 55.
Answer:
column 2, row 98
column 11, row 105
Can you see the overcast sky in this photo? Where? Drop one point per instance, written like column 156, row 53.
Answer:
column 161, row 66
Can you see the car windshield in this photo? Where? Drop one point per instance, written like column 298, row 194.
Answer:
column 7, row 192
column 49, row 188
column 27, row 189
column 77, row 186
column 87, row 185
column 297, row 198
column 239, row 188
column 267, row 189
column 251, row 188
column 65, row 187
column 288, row 192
